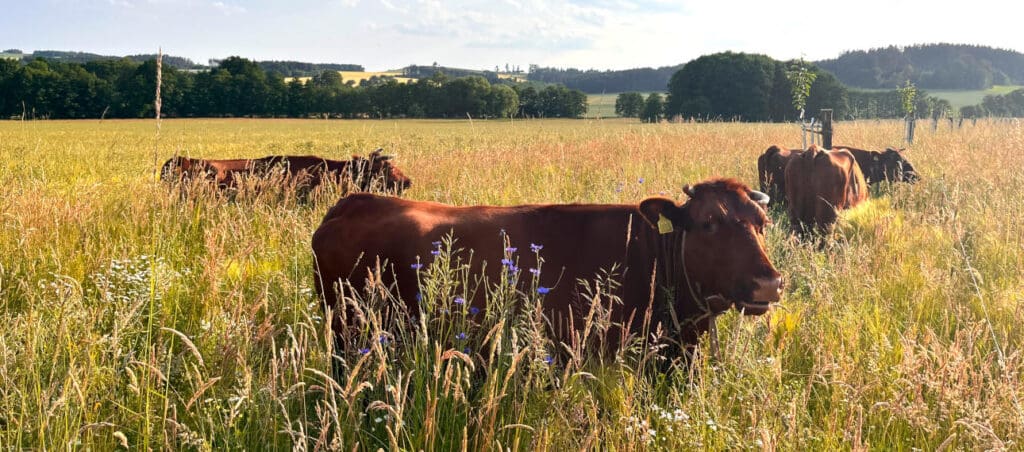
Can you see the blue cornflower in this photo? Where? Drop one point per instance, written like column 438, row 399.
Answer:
column 466, row 350
column 435, row 252
column 473, row 310
column 511, row 249
column 513, row 269
column 535, row 271
column 548, row 360
column 416, row 266
column 436, row 244
column 507, row 262
column 640, row 180
column 384, row 340
column 419, row 297
column 535, row 247
column 364, row 351
column 461, row 336
column 459, row 300
column 543, row 290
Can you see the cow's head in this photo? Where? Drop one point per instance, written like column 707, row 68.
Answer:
column 896, row 166
column 381, row 168
column 723, row 250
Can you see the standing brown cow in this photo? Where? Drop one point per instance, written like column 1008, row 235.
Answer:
column 305, row 171
column 708, row 252
column 771, row 171
column 819, row 184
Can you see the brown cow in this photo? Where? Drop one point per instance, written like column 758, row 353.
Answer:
column 771, row 171
column 307, row 172
column 819, row 184
column 889, row 165
column 708, row 252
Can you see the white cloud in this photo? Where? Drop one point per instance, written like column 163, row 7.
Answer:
column 228, row 9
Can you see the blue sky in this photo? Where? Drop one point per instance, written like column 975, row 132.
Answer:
column 602, row 34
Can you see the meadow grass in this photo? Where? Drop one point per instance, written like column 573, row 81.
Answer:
column 139, row 318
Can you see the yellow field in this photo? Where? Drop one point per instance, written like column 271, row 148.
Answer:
column 139, row 318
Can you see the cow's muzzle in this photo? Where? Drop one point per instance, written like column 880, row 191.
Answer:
column 766, row 292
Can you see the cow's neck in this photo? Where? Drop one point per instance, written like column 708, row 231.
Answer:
column 678, row 303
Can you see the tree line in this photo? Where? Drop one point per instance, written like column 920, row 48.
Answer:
column 239, row 87
column 1004, row 105
column 747, row 87
column 596, row 82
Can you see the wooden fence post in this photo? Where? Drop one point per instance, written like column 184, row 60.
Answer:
column 826, row 128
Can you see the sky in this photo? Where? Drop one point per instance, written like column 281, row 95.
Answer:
column 599, row 34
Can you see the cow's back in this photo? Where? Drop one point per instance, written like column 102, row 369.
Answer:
column 578, row 241
column 819, row 184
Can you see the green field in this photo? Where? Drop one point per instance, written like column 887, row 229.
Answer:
column 139, row 318
column 963, row 98
column 603, row 105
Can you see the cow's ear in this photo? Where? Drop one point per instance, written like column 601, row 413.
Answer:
column 662, row 215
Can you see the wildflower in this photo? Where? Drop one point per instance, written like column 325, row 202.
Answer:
column 507, row 262
column 640, row 180
column 548, row 360
column 419, row 297
column 535, row 248
column 535, row 271
column 466, row 350
column 436, row 252
column 384, row 340
column 364, row 351
column 461, row 336
column 436, row 244
column 416, row 266
column 459, row 300
column 511, row 249
column 543, row 290
column 378, row 420
column 513, row 269
column 473, row 310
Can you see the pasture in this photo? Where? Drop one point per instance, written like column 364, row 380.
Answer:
column 138, row 318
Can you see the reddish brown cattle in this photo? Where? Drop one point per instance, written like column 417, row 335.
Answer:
column 818, row 185
column 708, row 252
column 306, row 172
column 889, row 165
column 771, row 170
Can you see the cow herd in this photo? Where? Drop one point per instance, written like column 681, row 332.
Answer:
column 681, row 263
column 815, row 184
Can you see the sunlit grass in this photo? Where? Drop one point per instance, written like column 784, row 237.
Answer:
column 902, row 332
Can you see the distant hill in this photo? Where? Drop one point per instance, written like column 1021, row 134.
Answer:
column 86, row 57
column 284, row 68
column 929, row 66
column 596, row 82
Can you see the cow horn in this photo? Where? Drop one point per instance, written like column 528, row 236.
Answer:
column 759, row 198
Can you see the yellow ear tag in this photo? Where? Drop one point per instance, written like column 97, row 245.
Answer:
column 664, row 224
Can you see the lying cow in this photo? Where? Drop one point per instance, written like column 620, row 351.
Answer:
column 306, row 172
column 708, row 252
column 819, row 184
column 771, row 171
column 889, row 165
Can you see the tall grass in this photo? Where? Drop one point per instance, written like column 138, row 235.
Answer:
column 902, row 333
